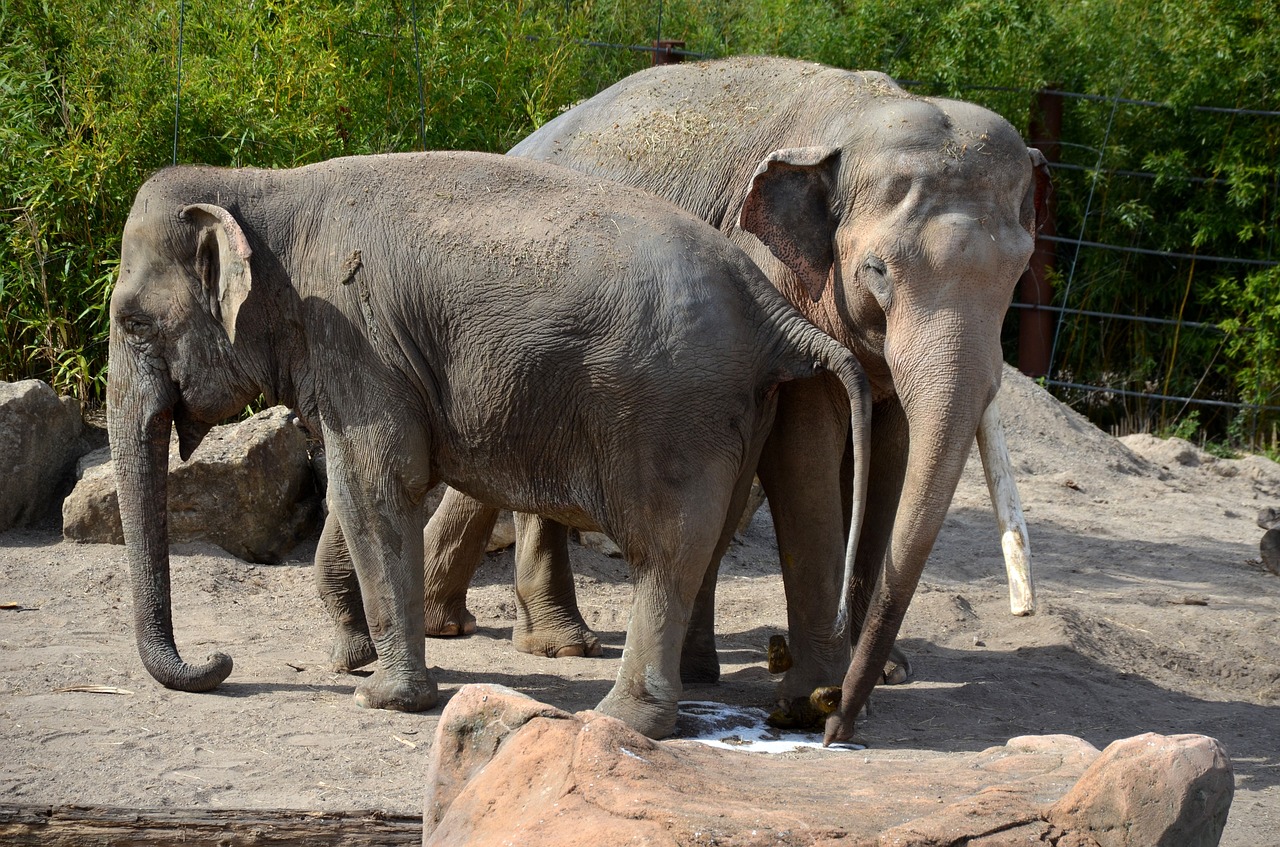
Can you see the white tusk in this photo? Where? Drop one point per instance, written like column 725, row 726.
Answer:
column 1014, row 540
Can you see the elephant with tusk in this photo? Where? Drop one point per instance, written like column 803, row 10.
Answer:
column 899, row 225
column 532, row 336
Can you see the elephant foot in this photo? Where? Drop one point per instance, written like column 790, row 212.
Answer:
column 571, row 639
column 415, row 694
column 649, row 717
column 698, row 667
column 897, row 670
column 351, row 651
column 449, row 621
column 699, row 661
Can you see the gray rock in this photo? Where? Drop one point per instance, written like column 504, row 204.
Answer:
column 755, row 500
column 41, row 436
column 1269, row 549
column 600, row 543
column 249, row 488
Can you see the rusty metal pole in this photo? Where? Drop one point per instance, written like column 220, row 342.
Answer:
column 1035, row 325
column 664, row 52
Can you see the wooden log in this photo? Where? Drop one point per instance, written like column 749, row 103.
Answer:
column 56, row 826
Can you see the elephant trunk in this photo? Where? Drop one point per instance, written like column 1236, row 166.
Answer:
column 942, row 418
column 139, row 419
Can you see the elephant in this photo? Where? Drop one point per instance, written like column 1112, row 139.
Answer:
column 527, row 334
column 899, row 225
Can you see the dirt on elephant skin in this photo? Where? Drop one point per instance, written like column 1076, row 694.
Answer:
column 1154, row 614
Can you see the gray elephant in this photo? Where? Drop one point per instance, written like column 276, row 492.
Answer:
column 535, row 337
column 899, row 225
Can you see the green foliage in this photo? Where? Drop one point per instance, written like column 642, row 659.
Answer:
column 87, row 112
column 1185, row 428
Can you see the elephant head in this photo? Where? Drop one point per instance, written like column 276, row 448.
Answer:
column 911, row 243
column 178, row 348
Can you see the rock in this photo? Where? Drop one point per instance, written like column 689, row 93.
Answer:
column 1269, row 549
column 755, row 500
column 1152, row 791
column 1269, row 518
column 248, row 488
column 504, row 533
column 507, row 769
column 599, row 542
column 41, row 436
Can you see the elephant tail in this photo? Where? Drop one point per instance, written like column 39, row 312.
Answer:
column 824, row 353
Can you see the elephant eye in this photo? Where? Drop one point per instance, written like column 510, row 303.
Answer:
column 137, row 325
column 876, row 265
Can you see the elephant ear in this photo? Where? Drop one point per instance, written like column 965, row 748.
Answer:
column 788, row 207
column 1035, row 206
column 222, row 261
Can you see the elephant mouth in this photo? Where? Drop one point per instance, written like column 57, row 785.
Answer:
column 191, row 430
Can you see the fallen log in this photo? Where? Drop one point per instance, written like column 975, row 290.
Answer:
column 56, row 826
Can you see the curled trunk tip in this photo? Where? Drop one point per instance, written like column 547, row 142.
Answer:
column 168, row 669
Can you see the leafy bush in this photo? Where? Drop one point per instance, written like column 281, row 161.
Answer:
column 88, row 112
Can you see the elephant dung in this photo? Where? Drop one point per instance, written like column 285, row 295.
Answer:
column 249, row 488
column 504, row 767
column 41, row 436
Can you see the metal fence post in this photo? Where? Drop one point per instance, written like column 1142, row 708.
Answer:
column 1035, row 325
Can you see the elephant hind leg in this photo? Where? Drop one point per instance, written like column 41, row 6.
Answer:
column 548, row 622
column 699, row 659
column 453, row 545
column 340, row 592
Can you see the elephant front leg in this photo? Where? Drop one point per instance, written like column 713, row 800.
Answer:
column 548, row 622
column 454, row 545
column 800, row 470
column 340, row 592
column 387, row 553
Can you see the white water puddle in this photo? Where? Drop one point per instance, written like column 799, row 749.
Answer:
column 743, row 728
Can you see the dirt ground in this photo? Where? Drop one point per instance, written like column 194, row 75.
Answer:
column 1154, row 615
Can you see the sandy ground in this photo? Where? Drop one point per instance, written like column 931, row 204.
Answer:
column 1154, row 615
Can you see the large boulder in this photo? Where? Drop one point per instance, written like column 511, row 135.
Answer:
column 1152, row 791
column 507, row 769
column 41, row 436
column 248, row 488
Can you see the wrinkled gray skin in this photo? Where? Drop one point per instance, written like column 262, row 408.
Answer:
column 527, row 334
column 899, row 225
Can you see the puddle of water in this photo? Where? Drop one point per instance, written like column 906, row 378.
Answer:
column 743, row 728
